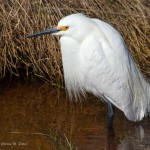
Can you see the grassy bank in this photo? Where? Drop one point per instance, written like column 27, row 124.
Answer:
column 41, row 57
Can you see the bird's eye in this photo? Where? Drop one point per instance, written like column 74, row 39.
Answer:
column 63, row 28
column 66, row 28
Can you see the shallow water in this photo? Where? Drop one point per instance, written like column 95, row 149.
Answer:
column 40, row 117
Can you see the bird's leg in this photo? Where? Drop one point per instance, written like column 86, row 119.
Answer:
column 110, row 114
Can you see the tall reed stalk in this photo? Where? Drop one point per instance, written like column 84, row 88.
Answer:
column 41, row 57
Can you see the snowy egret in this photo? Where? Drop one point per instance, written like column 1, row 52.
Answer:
column 96, row 59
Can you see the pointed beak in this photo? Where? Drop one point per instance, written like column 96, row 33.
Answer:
column 48, row 31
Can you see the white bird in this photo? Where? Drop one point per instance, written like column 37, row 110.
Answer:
column 96, row 59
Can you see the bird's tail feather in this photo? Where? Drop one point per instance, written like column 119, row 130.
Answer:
column 141, row 93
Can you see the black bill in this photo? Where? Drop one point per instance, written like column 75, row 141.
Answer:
column 48, row 31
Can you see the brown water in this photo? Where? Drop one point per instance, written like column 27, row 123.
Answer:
column 39, row 117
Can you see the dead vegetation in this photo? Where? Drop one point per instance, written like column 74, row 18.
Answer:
column 41, row 57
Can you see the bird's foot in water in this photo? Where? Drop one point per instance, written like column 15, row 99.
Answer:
column 111, row 109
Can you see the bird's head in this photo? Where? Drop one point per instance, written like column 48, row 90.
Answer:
column 75, row 26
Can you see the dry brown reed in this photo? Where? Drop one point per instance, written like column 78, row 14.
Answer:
column 41, row 57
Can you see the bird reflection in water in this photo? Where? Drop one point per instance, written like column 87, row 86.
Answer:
column 136, row 138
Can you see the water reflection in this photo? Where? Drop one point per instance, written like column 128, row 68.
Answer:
column 43, row 118
column 136, row 138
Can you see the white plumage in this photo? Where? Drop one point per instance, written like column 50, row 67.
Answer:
column 96, row 59
column 99, row 62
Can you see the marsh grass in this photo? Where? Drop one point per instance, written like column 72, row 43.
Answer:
column 56, row 141
column 41, row 56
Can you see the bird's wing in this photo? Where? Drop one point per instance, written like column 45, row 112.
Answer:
column 114, row 47
column 105, row 71
column 126, row 69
